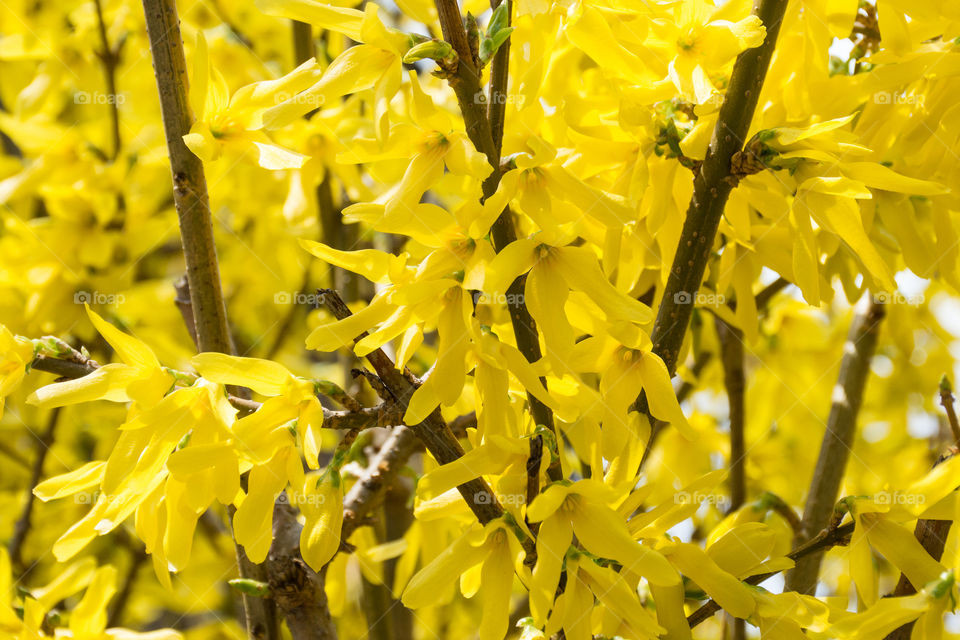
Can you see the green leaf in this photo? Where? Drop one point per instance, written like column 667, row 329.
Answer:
column 490, row 44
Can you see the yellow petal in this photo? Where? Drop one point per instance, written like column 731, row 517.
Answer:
column 660, row 394
column 130, row 350
column 263, row 376
column 70, row 483
column 730, row 593
column 323, row 513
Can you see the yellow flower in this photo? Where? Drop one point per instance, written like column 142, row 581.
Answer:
column 573, row 609
column 498, row 553
column 262, row 433
column 222, row 119
column 139, row 378
column 373, row 64
column 702, row 40
column 582, row 508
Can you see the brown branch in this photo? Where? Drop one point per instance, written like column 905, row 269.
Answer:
column 826, row 539
column 22, row 526
column 858, row 350
column 368, row 491
column 196, row 233
column 711, row 188
column 731, row 348
column 110, row 58
column 297, row 589
column 433, row 431
column 189, row 181
column 465, row 82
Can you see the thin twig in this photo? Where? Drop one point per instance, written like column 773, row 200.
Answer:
column 119, row 603
column 826, row 539
column 731, row 348
column 858, row 351
column 385, row 414
column 110, row 58
column 22, row 525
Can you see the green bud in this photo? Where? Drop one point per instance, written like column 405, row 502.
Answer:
column 250, row 587
column 490, row 44
column 433, row 49
column 498, row 19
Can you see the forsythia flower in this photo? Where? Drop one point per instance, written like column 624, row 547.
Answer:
column 87, row 619
column 498, row 552
column 139, row 378
column 581, row 508
column 222, row 119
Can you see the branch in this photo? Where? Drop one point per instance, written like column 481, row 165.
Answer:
column 826, row 539
column 841, row 425
column 137, row 558
column 711, row 188
column 946, row 400
column 367, row 492
column 189, row 182
column 385, row 414
column 433, row 431
column 932, row 536
column 731, row 348
column 22, row 525
column 109, row 58
column 297, row 589
column 465, row 82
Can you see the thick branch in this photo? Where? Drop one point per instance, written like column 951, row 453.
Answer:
column 297, row 589
column 841, row 425
column 465, row 83
column 368, row 491
column 189, row 182
column 711, row 188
